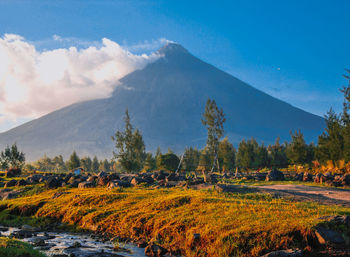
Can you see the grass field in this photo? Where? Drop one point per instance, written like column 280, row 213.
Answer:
column 15, row 248
column 230, row 224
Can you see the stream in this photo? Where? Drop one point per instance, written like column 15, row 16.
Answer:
column 62, row 244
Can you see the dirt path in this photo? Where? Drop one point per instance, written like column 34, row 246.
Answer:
column 319, row 194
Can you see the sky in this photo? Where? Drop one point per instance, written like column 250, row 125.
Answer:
column 54, row 53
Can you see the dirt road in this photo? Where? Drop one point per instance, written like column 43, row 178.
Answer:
column 319, row 194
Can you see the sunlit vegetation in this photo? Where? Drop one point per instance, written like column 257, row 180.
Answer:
column 230, row 224
column 15, row 248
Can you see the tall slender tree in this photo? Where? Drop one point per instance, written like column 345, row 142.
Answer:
column 130, row 146
column 213, row 119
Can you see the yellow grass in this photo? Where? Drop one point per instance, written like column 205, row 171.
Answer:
column 229, row 224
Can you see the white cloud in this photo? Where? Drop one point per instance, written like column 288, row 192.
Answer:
column 33, row 83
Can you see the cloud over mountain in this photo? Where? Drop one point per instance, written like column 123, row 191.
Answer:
column 33, row 82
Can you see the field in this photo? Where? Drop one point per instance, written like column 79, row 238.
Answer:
column 229, row 224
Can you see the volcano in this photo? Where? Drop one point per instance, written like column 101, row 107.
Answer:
column 166, row 101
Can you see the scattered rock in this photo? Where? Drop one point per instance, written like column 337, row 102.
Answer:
column 85, row 185
column 154, row 250
column 275, row 175
column 10, row 183
column 52, row 182
column 326, row 236
column 284, row 253
column 13, row 172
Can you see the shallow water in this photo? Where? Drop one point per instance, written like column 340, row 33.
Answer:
column 63, row 243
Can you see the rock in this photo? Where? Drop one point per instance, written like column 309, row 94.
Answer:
column 345, row 180
column 10, row 183
column 52, row 182
column 307, row 177
column 154, row 250
column 39, row 242
column 284, row 253
column 6, row 194
column 21, row 234
column 317, row 178
column 91, row 179
column 275, row 175
column 28, row 228
column 21, row 182
column 137, row 181
column 76, row 244
column 121, row 183
column 12, row 172
column 86, row 185
column 102, row 181
column 141, row 244
column 58, row 194
column 326, row 236
column 102, row 174
column 172, row 177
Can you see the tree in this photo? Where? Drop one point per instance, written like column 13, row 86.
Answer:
column 74, row 161
column 12, row 158
column 86, row 163
column 130, row 147
column 227, row 155
column 331, row 142
column 157, row 157
column 277, row 155
column 191, row 159
column 150, row 162
column 213, row 119
column 246, row 153
column 346, row 118
column 95, row 164
column 169, row 161
column 205, row 162
column 297, row 150
column 59, row 165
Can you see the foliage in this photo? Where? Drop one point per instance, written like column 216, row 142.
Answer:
column 15, row 248
column 213, row 119
column 191, row 159
column 12, row 158
column 95, row 164
column 278, row 155
column 86, row 163
column 169, row 161
column 297, row 150
column 130, row 147
column 150, row 162
column 231, row 224
column 227, row 155
column 73, row 162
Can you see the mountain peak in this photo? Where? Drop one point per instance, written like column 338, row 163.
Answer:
column 172, row 48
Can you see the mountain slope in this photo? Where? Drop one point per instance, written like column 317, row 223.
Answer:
column 166, row 100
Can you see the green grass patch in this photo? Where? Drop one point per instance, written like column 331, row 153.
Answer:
column 15, row 248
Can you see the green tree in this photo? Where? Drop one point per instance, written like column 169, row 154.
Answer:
column 169, row 161
column 105, row 166
column 150, row 162
column 191, row 159
column 346, row 118
column 227, row 155
column 12, row 158
column 59, row 165
column 86, row 163
column 130, row 147
column 157, row 157
column 74, row 161
column 246, row 153
column 297, row 150
column 95, row 164
column 278, row 155
column 205, row 161
column 331, row 142
column 213, row 119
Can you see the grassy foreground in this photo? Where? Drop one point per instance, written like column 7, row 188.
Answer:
column 15, row 248
column 231, row 224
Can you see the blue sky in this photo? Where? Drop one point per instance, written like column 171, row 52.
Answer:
column 294, row 50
